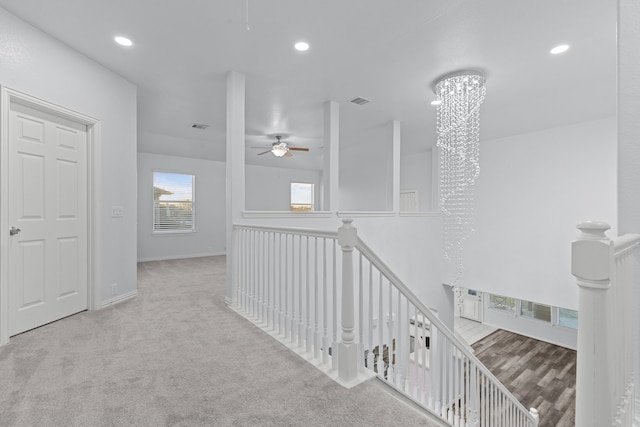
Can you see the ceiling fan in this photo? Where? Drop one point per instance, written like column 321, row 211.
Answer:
column 281, row 148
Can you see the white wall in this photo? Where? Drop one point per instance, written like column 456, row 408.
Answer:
column 269, row 188
column 209, row 202
column 544, row 331
column 36, row 64
column 366, row 180
column 532, row 191
column 416, row 174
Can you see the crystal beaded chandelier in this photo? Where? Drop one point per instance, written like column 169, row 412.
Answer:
column 458, row 126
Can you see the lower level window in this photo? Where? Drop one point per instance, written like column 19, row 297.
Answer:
column 568, row 318
column 500, row 303
column 535, row 311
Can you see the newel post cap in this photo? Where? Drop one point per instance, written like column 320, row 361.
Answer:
column 592, row 230
column 590, row 255
column 347, row 234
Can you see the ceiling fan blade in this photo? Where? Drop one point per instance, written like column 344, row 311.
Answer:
column 298, row 149
column 288, row 154
column 264, row 152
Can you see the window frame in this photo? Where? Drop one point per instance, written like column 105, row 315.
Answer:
column 171, row 232
column 533, row 311
column 510, row 310
column 517, row 313
column 313, row 197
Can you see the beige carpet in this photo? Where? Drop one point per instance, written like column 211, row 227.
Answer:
column 176, row 356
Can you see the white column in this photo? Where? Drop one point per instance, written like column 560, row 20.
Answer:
column 590, row 264
column 629, row 139
column 347, row 348
column 331, row 156
column 395, row 125
column 235, row 171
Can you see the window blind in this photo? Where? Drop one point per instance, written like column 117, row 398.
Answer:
column 173, row 202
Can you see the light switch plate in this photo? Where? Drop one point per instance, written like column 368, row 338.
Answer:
column 117, row 212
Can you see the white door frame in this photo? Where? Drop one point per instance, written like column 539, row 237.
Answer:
column 7, row 96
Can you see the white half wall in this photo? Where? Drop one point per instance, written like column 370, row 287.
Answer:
column 532, row 191
column 269, row 188
column 209, row 202
column 38, row 65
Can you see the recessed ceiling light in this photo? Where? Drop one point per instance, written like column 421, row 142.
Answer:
column 123, row 41
column 559, row 49
column 436, row 102
column 301, row 46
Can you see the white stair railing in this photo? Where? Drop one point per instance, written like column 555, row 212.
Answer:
column 294, row 284
column 607, row 274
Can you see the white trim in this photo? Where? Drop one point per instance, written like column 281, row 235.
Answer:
column 119, row 298
column 94, row 145
column 170, row 257
column 420, row 214
column 287, row 214
column 365, row 214
column 4, row 220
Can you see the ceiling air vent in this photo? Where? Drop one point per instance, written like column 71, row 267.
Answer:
column 359, row 100
column 199, row 126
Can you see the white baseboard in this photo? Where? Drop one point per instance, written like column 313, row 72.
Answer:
column 119, row 298
column 169, row 257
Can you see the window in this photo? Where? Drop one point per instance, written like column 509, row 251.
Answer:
column 535, row 311
column 173, row 203
column 500, row 303
column 568, row 318
column 301, row 197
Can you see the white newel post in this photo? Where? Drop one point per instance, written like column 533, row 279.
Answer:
column 590, row 264
column 347, row 348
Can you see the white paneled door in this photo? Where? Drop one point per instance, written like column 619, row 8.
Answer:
column 48, row 218
column 471, row 305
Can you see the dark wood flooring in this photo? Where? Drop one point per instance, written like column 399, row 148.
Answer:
column 540, row 375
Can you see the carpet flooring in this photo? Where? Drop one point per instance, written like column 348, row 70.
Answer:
column 539, row 374
column 176, row 355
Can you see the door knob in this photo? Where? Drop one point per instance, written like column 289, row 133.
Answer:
column 14, row 231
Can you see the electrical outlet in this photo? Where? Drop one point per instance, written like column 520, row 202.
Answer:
column 114, row 289
column 117, row 211
column 375, row 322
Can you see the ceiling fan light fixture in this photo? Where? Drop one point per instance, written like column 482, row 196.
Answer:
column 279, row 150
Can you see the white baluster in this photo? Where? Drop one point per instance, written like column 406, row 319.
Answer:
column 334, row 342
column 360, row 312
column 300, row 290
column 316, row 309
column 348, row 354
column 473, row 397
column 325, row 314
column 287, row 287
column 371, row 316
column 380, row 361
